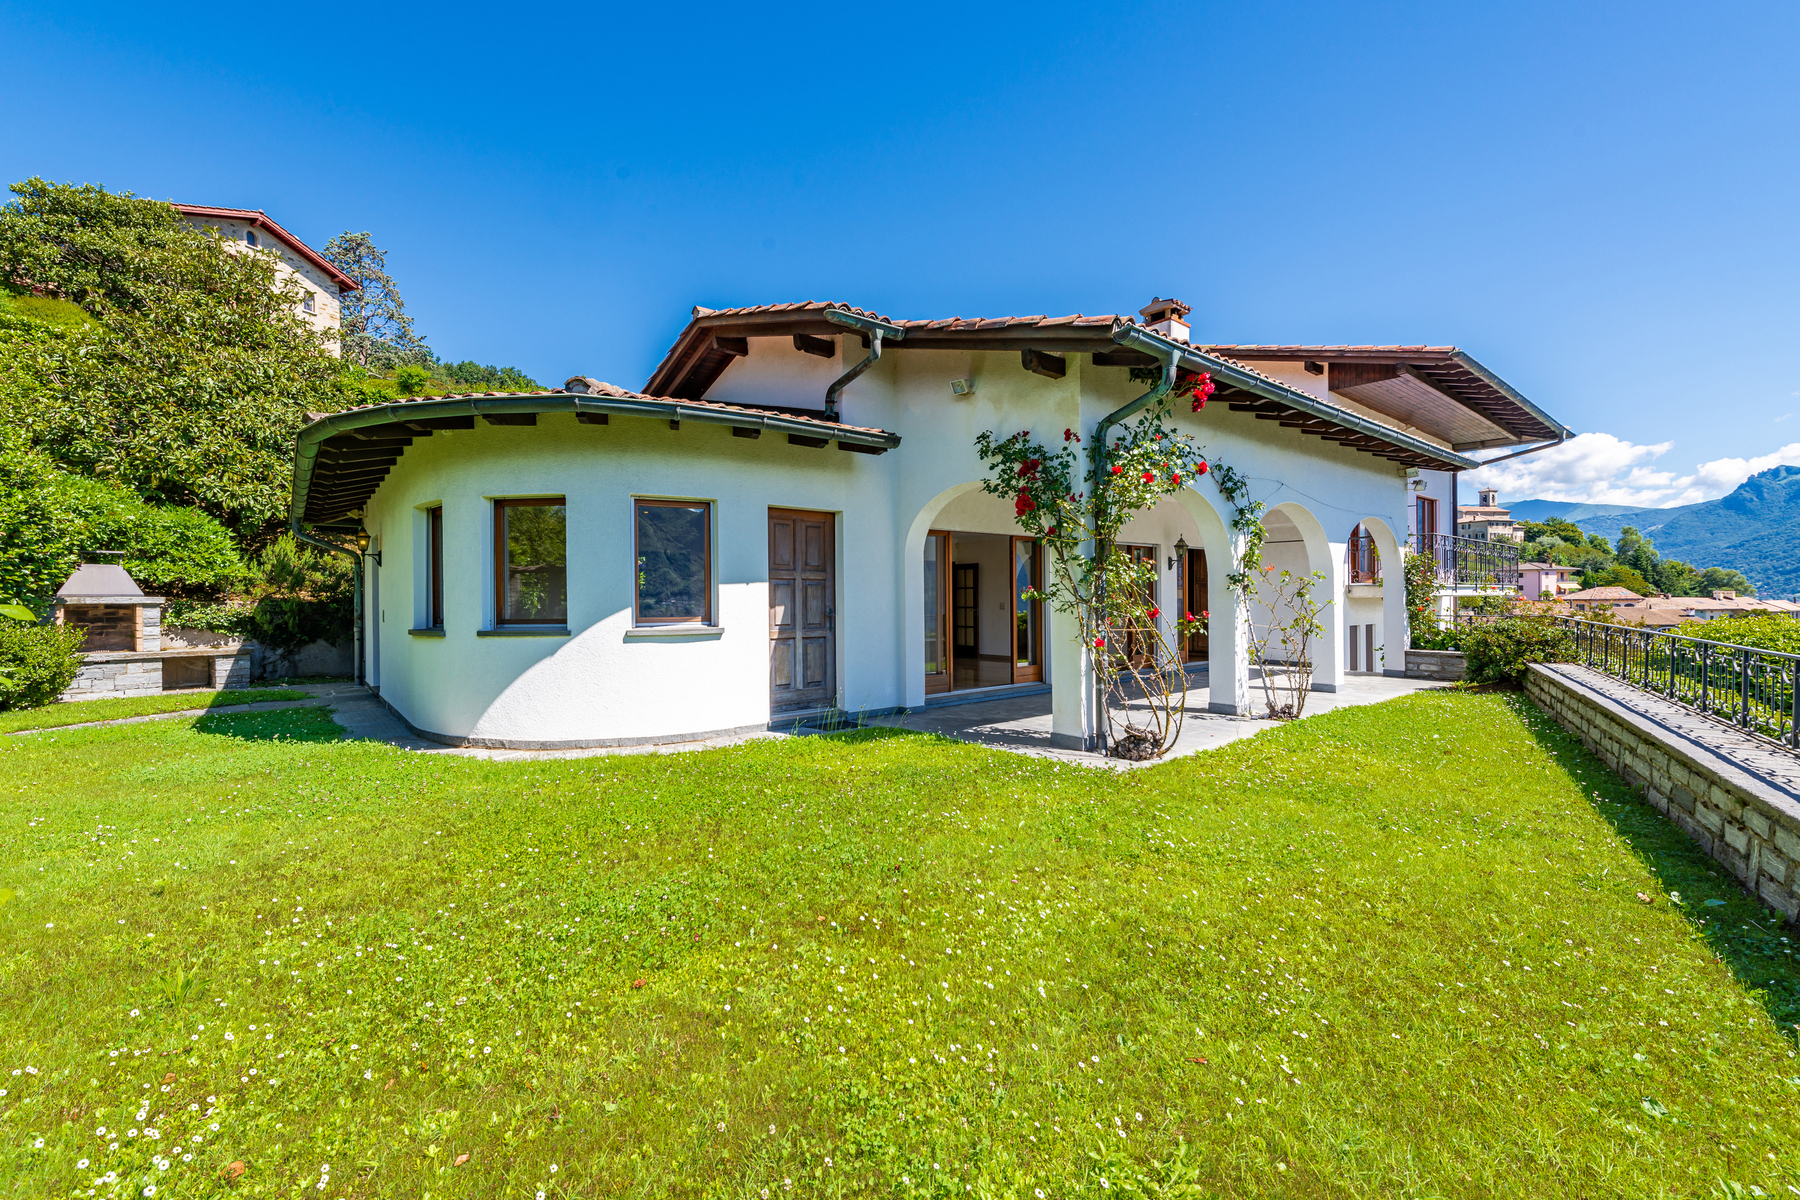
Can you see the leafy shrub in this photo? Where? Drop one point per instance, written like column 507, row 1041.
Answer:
column 1420, row 571
column 1440, row 639
column 36, row 662
column 1765, row 633
column 51, row 520
column 1498, row 649
column 304, row 595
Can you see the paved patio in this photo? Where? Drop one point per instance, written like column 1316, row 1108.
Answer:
column 1022, row 724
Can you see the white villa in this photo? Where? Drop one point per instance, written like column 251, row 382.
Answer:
column 788, row 519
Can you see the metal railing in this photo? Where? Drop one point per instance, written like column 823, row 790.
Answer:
column 1741, row 685
column 1471, row 562
column 1362, row 562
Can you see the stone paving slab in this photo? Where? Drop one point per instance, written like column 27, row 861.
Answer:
column 1775, row 766
column 1022, row 725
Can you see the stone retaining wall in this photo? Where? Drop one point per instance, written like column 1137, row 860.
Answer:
column 1446, row 665
column 1748, row 826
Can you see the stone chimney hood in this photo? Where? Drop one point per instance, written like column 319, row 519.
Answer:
column 98, row 582
column 106, row 603
column 1167, row 317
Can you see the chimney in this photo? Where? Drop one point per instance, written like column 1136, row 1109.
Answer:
column 1167, row 317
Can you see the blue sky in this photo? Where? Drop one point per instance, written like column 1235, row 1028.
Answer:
column 1596, row 201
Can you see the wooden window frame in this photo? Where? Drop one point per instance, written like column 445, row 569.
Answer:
column 500, row 507
column 1426, row 504
column 434, row 567
column 941, row 681
column 637, row 617
column 1033, row 673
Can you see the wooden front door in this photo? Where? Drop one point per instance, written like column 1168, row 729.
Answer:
column 802, row 612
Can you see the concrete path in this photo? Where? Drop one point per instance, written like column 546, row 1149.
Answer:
column 1023, row 725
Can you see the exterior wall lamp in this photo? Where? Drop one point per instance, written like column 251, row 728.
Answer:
column 362, row 546
column 1181, row 549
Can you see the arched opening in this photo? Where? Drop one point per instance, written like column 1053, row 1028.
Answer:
column 1294, row 541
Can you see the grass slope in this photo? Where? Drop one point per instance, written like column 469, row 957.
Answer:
column 75, row 712
column 1391, row 950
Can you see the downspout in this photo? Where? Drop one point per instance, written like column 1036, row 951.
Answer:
column 1103, row 551
column 356, row 588
column 875, row 330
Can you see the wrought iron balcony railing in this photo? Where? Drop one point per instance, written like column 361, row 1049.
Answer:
column 1471, row 562
column 1750, row 688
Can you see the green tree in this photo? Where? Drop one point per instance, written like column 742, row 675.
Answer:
column 1620, row 575
column 377, row 332
column 195, row 373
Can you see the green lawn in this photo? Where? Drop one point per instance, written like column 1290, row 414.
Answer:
column 76, row 711
column 1388, row 951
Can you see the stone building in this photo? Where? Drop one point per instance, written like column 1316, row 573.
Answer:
column 252, row 229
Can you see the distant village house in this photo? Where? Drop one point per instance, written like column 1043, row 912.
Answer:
column 323, row 284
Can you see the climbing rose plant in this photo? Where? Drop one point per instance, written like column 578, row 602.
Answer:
column 1067, row 501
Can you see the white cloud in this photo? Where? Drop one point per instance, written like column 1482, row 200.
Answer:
column 1598, row 468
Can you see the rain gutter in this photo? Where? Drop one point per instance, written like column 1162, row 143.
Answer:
column 875, row 330
column 399, row 412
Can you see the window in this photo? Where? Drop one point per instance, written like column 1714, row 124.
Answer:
column 531, row 585
column 434, row 567
column 250, row 237
column 1427, row 518
column 306, row 305
column 674, row 562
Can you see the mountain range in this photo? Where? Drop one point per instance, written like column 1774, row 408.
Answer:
column 1756, row 529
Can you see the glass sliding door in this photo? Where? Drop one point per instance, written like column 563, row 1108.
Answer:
column 1028, row 634
column 937, row 622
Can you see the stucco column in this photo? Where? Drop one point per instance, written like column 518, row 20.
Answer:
column 1395, row 628
column 1072, row 718
column 912, row 619
column 1328, row 652
column 1227, row 639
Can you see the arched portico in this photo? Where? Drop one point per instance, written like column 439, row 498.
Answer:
column 1394, row 627
column 1295, row 541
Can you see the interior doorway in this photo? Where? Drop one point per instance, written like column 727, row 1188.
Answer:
column 982, row 627
column 1191, row 583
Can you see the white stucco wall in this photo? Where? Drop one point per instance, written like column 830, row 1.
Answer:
column 603, row 684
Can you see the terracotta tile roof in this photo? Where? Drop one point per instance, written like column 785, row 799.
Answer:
column 1604, row 593
column 596, row 387
column 716, row 338
column 255, row 216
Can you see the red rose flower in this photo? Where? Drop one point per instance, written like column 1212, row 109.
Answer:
column 1118, row 470
column 1154, row 613
column 1100, row 643
column 1190, row 616
column 1175, row 479
column 1198, row 405
column 1203, row 468
column 1205, row 614
column 1030, row 466
column 1024, row 504
column 1069, row 435
column 1149, row 476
